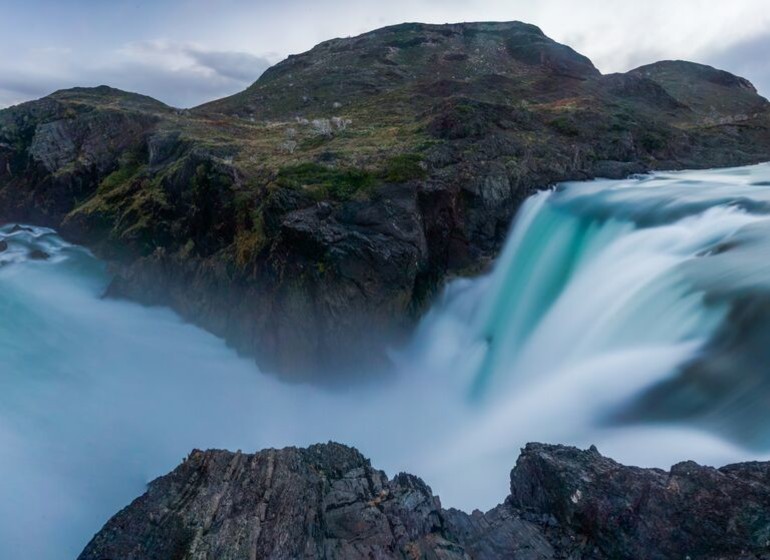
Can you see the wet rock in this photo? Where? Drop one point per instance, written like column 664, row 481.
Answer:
column 38, row 255
column 327, row 501
column 629, row 512
column 3, row 245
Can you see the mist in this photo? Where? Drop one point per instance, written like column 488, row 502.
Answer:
column 101, row 396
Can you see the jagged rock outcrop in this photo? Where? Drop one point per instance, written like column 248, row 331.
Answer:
column 327, row 501
column 310, row 218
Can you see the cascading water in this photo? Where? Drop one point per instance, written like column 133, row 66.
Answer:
column 577, row 288
column 607, row 295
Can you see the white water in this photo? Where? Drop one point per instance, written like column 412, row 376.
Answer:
column 598, row 296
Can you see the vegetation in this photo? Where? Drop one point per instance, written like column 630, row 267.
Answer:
column 326, row 182
column 651, row 141
column 565, row 126
column 403, row 168
column 122, row 175
column 248, row 244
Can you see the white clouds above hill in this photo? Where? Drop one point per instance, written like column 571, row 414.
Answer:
column 188, row 52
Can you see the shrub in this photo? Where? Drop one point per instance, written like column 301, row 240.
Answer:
column 651, row 141
column 564, row 126
column 122, row 175
column 403, row 168
column 339, row 183
column 313, row 142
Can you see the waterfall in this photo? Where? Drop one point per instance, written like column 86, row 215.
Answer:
column 606, row 295
column 575, row 287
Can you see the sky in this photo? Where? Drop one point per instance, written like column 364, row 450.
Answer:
column 186, row 52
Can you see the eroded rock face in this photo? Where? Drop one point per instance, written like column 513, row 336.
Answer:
column 327, row 501
column 322, row 502
column 628, row 512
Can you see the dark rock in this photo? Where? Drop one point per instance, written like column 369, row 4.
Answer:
column 628, row 512
column 530, row 45
column 38, row 255
column 322, row 502
column 705, row 391
column 327, row 501
column 3, row 245
column 17, row 228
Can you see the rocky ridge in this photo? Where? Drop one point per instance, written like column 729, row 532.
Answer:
column 310, row 218
column 327, row 501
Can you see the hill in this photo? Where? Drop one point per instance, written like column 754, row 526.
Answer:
column 310, row 218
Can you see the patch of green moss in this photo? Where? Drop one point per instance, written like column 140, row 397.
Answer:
column 565, row 126
column 121, row 176
column 463, row 109
column 250, row 236
column 166, row 175
column 406, row 42
column 652, row 141
column 313, row 142
column 248, row 244
column 138, row 220
column 116, row 188
column 620, row 122
column 326, row 182
column 403, row 168
column 207, row 180
column 244, row 207
column 427, row 144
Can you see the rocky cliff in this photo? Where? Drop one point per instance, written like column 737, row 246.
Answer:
column 310, row 218
column 327, row 501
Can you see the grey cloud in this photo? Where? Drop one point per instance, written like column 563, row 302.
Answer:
column 235, row 65
column 208, row 75
column 184, row 87
column 17, row 87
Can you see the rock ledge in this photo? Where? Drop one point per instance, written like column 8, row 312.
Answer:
column 327, row 501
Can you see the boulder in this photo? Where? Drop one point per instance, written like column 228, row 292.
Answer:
column 327, row 501
column 38, row 255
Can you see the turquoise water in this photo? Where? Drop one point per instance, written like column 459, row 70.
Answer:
column 604, row 292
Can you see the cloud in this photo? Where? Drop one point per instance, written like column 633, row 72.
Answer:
column 180, row 74
column 234, row 65
column 17, row 87
column 213, row 48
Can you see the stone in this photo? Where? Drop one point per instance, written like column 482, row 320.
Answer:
column 38, row 255
column 327, row 501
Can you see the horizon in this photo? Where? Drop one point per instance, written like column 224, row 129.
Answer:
column 210, row 49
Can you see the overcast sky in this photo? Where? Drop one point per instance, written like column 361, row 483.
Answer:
column 185, row 52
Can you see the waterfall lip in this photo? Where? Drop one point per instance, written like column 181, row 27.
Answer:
column 670, row 199
column 700, row 224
